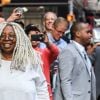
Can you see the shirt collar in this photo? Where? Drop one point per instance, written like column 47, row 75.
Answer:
column 79, row 46
column 51, row 39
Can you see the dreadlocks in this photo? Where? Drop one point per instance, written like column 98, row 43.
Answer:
column 23, row 51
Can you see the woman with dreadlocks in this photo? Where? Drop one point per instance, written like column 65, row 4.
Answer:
column 21, row 76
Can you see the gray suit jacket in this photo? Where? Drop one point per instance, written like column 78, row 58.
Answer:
column 74, row 81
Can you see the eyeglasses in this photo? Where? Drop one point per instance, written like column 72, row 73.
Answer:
column 60, row 32
column 10, row 37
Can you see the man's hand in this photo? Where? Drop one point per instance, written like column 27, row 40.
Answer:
column 14, row 16
column 91, row 48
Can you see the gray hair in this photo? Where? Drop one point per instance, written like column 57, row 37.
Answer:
column 49, row 12
column 23, row 51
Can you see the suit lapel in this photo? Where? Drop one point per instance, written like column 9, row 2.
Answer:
column 82, row 56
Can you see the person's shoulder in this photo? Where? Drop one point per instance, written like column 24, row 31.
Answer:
column 69, row 47
column 62, row 42
column 68, row 50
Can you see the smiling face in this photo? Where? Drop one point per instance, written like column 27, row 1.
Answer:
column 49, row 20
column 8, row 40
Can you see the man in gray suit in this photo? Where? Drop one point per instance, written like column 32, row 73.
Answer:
column 76, row 79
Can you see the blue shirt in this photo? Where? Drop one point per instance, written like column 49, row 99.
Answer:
column 61, row 44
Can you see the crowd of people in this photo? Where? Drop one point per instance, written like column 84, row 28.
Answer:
column 42, row 65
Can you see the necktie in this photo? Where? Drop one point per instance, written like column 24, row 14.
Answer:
column 87, row 61
column 85, row 56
